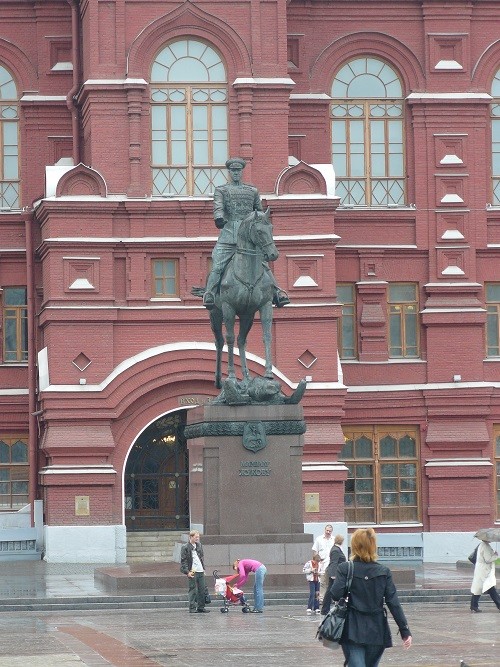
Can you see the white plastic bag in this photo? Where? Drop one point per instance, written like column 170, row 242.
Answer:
column 220, row 586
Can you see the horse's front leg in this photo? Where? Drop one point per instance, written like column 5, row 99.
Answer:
column 229, row 317
column 245, row 326
column 266, row 318
column 216, row 326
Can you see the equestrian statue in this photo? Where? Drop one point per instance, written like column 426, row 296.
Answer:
column 240, row 284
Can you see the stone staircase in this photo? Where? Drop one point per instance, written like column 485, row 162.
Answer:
column 153, row 546
column 293, row 601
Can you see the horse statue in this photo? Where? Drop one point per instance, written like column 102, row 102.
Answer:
column 246, row 288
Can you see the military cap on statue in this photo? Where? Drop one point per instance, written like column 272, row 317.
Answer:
column 236, row 161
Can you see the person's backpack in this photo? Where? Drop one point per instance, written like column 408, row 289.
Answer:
column 473, row 556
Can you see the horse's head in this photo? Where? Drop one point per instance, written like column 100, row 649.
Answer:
column 261, row 234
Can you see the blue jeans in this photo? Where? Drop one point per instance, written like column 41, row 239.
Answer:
column 258, row 587
column 313, row 602
column 362, row 655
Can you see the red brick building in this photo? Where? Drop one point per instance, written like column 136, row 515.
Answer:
column 372, row 130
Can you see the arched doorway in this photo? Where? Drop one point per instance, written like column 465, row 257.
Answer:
column 156, row 477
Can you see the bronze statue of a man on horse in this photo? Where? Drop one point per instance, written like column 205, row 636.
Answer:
column 241, row 283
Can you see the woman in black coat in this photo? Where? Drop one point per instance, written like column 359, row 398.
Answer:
column 366, row 632
column 336, row 557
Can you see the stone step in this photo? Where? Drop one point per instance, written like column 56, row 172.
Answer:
column 139, row 548
column 143, row 538
column 293, row 599
column 152, row 546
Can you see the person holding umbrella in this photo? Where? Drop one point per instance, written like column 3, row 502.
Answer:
column 484, row 580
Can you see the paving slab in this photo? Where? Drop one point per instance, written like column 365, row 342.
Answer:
column 443, row 634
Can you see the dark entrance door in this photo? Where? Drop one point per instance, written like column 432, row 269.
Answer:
column 156, row 477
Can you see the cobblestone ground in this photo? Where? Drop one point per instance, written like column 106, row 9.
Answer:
column 443, row 634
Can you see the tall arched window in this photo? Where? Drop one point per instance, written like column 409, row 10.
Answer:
column 495, row 139
column 367, row 134
column 188, row 119
column 9, row 141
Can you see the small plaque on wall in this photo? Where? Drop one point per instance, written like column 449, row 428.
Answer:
column 82, row 505
column 312, row 502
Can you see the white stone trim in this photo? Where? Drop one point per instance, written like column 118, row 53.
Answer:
column 435, row 386
column 453, row 310
column 448, row 65
column 181, row 239
column 452, row 235
column 457, row 284
column 443, row 547
column 313, row 467
column 449, row 96
column 377, row 247
column 310, row 96
column 387, row 361
column 98, row 469
column 181, row 346
column 452, row 463
column 114, row 82
column 264, row 81
column 13, row 392
column 43, row 98
column 86, row 544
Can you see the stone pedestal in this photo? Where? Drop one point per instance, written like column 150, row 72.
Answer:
column 252, row 483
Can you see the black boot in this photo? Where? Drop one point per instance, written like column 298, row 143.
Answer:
column 493, row 593
column 474, row 604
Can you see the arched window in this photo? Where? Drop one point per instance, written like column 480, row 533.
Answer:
column 367, row 134
column 495, row 139
column 188, row 119
column 9, row 142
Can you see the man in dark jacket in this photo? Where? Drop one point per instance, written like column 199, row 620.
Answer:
column 192, row 565
column 336, row 557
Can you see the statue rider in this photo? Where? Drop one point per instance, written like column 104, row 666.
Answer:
column 232, row 203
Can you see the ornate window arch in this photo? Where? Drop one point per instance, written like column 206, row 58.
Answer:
column 495, row 138
column 189, row 119
column 9, row 141
column 367, row 130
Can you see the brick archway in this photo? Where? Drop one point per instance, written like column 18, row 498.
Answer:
column 156, row 477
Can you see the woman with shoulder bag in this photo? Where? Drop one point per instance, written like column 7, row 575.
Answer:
column 366, row 632
column 336, row 557
column 484, row 580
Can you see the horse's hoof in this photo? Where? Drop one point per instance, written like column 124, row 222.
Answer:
column 281, row 299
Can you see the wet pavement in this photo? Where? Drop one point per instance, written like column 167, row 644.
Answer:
column 38, row 579
column 444, row 632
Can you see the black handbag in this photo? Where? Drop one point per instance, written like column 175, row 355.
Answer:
column 473, row 556
column 208, row 599
column 332, row 626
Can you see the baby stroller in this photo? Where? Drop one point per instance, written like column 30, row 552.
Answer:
column 230, row 594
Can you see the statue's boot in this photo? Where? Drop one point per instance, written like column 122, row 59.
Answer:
column 280, row 298
column 209, row 300
column 209, row 296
